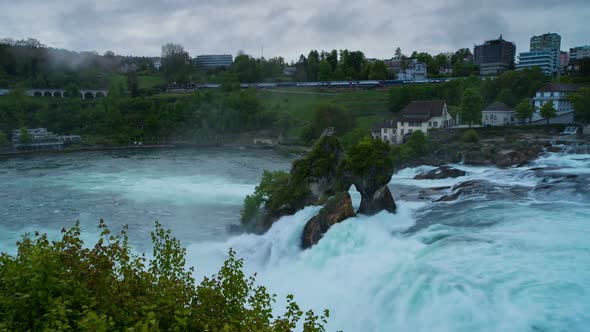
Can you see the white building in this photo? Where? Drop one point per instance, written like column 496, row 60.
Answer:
column 547, row 60
column 289, row 71
column 497, row 114
column 418, row 115
column 157, row 64
column 580, row 52
column 416, row 71
column 558, row 93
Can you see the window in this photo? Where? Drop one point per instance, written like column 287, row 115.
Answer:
column 415, row 124
column 429, row 124
column 410, row 131
column 436, row 123
column 402, row 132
column 487, row 117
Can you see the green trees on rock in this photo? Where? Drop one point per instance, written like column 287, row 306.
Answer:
column 471, row 105
column 324, row 172
column 524, row 110
column 66, row 285
column 548, row 111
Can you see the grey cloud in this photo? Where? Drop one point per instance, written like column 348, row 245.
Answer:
column 288, row 29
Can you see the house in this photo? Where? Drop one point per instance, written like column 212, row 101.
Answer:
column 393, row 65
column 558, row 93
column 386, row 131
column 418, row 115
column 268, row 138
column 289, row 71
column 497, row 114
column 40, row 139
column 416, row 71
column 157, row 64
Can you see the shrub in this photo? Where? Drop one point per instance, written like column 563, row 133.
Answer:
column 470, row 136
column 417, row 142
column 63, row 285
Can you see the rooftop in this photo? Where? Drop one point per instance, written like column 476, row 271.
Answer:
column 498, row 107
column 423, row 108
column 560, row 87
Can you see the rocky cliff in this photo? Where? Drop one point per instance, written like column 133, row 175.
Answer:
column 325, row 171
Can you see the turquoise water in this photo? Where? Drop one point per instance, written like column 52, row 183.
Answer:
column 513, row 255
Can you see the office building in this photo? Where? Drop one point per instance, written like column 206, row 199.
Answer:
column 213, row 61
column 494, row 56
column 547, row 60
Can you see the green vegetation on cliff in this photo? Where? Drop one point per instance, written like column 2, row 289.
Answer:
column 65, row 285
column 369, row 155
column 282, row 193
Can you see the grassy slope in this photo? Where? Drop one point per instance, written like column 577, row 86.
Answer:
column 144, row 81
column 367, row 105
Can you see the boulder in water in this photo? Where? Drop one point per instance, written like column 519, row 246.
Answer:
column 442, row 172
column 336, row 209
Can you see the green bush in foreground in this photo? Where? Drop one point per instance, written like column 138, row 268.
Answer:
column 64, row 286
column 470, row 136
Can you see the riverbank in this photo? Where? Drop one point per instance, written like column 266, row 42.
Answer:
column 10, row 154
column 287, row 149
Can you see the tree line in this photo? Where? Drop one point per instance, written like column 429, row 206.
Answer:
column 31, row 64
column 120, row 118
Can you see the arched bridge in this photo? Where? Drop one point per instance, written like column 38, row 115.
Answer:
column 61, row 93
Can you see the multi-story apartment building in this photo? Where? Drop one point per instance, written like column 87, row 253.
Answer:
column 545, row 53
column 547, row 60
column 494, row 56
column 547, row 41
column 580, row 52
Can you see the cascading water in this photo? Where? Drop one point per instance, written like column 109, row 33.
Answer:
column 513, row 254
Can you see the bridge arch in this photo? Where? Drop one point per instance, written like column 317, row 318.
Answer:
column 38, row 94
column 88, row 95
column 57, row 94
column 47, row 94
column 99, row 94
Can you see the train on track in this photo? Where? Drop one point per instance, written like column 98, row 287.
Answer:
column 366, row 84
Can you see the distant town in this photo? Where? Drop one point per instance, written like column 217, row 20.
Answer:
column 425, row 92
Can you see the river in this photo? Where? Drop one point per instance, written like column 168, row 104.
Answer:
column 513, row 255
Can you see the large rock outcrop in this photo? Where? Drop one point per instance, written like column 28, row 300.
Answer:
column 369, row 168
column 323, row 172
column 318, row 174
column 375, row 201
column 336, row 209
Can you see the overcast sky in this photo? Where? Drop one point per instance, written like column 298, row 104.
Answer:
column 289, row 28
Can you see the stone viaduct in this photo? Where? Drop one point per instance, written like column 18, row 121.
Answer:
column 60, row 93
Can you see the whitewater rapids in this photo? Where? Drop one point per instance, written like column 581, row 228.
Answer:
column 512, row 255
